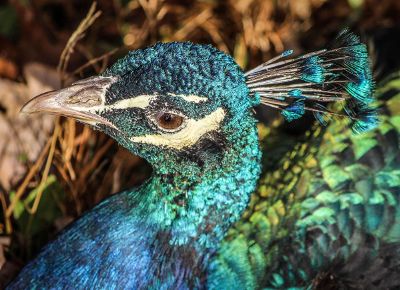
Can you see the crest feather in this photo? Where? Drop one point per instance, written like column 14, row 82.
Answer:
column 309, row 82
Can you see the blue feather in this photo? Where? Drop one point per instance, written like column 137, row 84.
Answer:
column 287, row 53
column 361, row 90
column 294, row 111
column 312, row 70
column 366, row 118
column 296, row 93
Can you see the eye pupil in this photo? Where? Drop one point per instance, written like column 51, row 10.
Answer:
column 167, row 117
column 169, row 121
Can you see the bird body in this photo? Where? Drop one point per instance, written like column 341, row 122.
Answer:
column 326, row 215
column 187, row 109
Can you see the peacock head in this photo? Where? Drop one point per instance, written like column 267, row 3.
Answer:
column 172, row 101
column 165, row 100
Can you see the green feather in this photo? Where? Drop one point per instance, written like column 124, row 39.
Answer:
column 346, row 194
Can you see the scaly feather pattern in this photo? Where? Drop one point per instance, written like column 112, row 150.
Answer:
column 319, row 209
column 310, row 82
column 327, row 215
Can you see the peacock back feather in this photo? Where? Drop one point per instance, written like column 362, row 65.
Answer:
column 327, row 215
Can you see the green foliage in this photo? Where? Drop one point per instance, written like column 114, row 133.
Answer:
column 8, row 21
column 35, row 227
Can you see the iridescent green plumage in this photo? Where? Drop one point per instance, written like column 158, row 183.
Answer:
column 316, row 207
column 328, row 213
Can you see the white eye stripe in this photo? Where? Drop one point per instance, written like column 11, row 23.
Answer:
column 143, row 101
column 190, row 98
column 188, row 135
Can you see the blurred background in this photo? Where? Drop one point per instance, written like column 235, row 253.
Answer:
column 53, row 169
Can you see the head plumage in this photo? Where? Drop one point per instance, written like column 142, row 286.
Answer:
column 310, row 82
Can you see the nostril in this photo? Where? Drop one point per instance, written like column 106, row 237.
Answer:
column 85, row 97
column 3, row 109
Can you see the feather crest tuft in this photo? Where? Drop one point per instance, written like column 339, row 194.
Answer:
column 340, row 74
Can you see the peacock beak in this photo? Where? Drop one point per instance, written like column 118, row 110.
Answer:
column 81, row 100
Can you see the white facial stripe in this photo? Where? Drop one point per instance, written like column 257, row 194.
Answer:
column 190, row 98
column 142, row 102
column 189, row 135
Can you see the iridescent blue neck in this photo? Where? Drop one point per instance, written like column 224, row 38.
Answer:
column 162, row 234
column 192, row 206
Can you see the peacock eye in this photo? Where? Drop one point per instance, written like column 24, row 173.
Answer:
column 169, row 121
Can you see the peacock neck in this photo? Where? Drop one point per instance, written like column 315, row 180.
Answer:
column 193, row 204
column 163, row 234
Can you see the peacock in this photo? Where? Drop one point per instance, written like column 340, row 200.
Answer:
column 323, row 213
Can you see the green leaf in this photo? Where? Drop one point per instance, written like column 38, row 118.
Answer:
column 19, row 206
column 35, row 228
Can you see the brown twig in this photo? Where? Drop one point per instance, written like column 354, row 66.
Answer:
column 77, row 35
column 7, row 220
column 46, row 169
column 24, row 185
column 95, row 161
column 93, row 61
